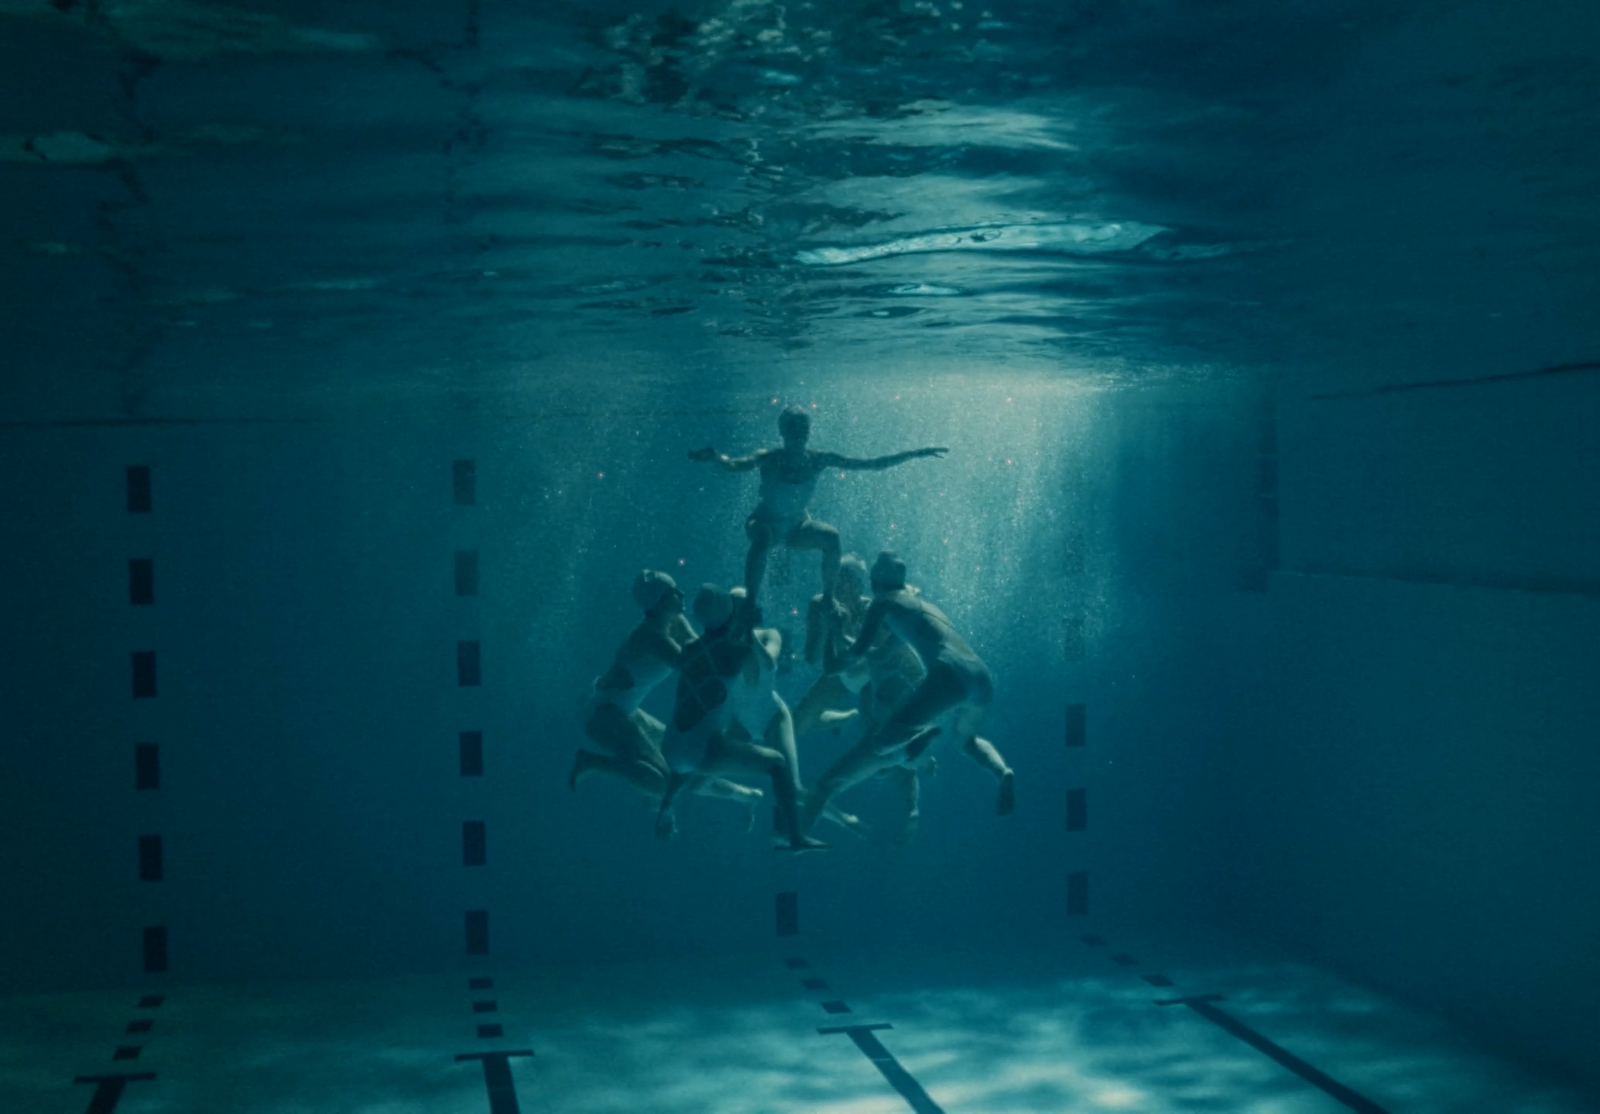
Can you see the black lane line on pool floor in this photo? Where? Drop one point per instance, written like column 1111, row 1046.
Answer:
column 862, row 1035
column 497, row 1078
column 1202, row 1005
column 108, row 1088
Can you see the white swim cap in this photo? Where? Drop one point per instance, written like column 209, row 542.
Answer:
column 713, row 606
column 888, row 571
column 650, row 587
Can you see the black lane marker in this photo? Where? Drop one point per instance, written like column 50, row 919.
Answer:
column 497, row 1078
column 139, row 489
column 466, row 572
column 1201, row 1004
column 480, row 982
column 143, row 1025
column 1124, row 960
column 127, row 1052
column 146, row 765
column 882, row 1059
column 465, row 475
column 477, row 931
column 488, row 1031
column 469, row 664
column 474, row 843
column 108, row 1089
column 141, row 581
column 155, row 952
column 1078, row 894
column 472, row 754
column 1157, row 980
column 152, row 1001
column 835, row 1007
column 1094, row 941
column 144, row 674
column 487, row 1006
column 1077, row 726
column 795, row 963
column 1077, row 810
column 150, row 859
column 814, row 984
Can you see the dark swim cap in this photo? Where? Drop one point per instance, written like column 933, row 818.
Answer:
column 888, row 571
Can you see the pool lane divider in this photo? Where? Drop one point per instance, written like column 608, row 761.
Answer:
column 863, row 1036
column 1203, row 1004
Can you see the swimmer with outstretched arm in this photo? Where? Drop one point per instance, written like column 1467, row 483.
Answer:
column 788, row 479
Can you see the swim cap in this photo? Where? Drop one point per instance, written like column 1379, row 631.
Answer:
column 713, row 606
column 888, row 571
column 650, row 587
column 853, row 563
column 794, row 422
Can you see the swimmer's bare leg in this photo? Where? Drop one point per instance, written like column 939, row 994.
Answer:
column 643, row 776
column 906, row 778
column 941, row 690
column 850, row 768
column 812, row 534
column 822, row 702
column 721, row 789
column 666, row 821
column 734, row 756
column 983, row 752
column 755, row 561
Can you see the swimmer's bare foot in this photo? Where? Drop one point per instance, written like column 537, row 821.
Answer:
column 1008, row 795
column 801, row 844
column 913, row 745
column 908, row 830
column 850, row 822
column 666, row 826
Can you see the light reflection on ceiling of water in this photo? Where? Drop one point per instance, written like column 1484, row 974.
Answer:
column 453, row 190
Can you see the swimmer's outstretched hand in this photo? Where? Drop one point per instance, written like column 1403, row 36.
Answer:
column 703, row 455
column 932, row 452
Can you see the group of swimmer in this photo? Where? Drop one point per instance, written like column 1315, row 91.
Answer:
column 891, row 662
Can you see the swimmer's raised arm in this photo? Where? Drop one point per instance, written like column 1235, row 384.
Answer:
column 872, row 463
column 725, row 462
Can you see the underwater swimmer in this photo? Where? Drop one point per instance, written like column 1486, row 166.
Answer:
column 628, row 736
column 698, row 743
column 788, row 479
column 957, row 680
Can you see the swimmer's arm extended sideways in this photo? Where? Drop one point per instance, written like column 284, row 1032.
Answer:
column 725, row 462
column 872, row 463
